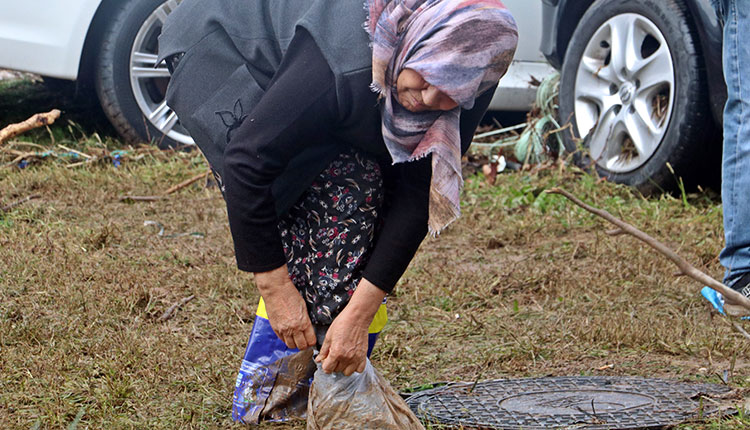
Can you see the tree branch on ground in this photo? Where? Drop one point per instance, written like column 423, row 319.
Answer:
column 685, row 267
column 169, row 313
column 184, row 184
column 169, row 191
column 38, row 120
column 10, row 206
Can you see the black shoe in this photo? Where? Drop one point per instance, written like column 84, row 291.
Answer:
column 742, row 286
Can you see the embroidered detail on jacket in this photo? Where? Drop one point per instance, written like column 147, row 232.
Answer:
column 232, row 119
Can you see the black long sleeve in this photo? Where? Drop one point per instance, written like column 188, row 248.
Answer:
column 297, row 114
column 297, row 111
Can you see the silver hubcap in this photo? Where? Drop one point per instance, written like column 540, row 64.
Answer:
column 148, row 83
column 624, row 92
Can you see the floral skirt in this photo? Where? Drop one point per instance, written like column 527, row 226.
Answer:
column 329, row 233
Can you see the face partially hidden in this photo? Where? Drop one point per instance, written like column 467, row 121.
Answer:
column 417, row 95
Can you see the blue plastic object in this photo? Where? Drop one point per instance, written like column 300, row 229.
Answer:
column 716, row 299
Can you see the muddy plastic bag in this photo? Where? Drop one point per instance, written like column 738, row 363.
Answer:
column 361, row 401
column 274, row 381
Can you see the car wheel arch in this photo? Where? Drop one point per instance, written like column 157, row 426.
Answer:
column 569, row 16
column 709, row 30
column 104, row 12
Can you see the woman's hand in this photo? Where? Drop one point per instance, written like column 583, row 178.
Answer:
column 287, row 311
column 345, row 347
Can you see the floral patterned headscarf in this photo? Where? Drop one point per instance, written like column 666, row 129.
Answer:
column 462, row 47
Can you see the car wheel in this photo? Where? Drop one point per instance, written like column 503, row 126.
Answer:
column 131, row 89
column 633, row 88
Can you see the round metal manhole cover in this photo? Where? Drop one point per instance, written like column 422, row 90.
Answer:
column 565, row 402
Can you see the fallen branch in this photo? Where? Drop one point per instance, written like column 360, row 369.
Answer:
column 184, row 184
column 141, row 198
column 15, row 152
column 740, row 329
column 33, row 145
column 169, row 191
column 685, row 268
column 10, row 206
column 169, row 313
column 38, row 120
column 81, row 163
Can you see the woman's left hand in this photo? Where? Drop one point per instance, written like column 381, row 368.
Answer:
column 344, row 349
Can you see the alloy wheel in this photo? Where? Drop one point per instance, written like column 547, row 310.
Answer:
column 624, row 92
column 149, row 81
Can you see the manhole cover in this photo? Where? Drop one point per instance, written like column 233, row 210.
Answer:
column 565, row 402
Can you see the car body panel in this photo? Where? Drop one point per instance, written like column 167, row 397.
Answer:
column 51, row 43
column 562, row 16
column 516, row 91
column 711, row 38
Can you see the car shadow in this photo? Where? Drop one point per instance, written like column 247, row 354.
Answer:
column 22, row 98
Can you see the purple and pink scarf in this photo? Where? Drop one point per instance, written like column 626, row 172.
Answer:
column 462, row 47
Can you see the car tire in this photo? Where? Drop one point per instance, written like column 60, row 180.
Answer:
column 130, row 88
column 614, row 97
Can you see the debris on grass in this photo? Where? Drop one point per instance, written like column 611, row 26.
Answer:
column 38, row 120
column 75, row 158
column 170, row 312
column 171, row 190
column 160, row 226
column 539, row 142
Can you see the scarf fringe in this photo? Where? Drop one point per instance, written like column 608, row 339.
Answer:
column 376, row 88
column 366, row 24
column 435, row 233
column 441, row 207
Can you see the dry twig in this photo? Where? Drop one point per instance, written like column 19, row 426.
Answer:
column 169, row 191
column 82, row 154
column 184, row 184
column 141, row 198
column 10, row 206
column 81, row 163
column 685, row 267
column 38, row 120
column 169, row 313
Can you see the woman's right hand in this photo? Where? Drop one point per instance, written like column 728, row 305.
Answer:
column 287, row 311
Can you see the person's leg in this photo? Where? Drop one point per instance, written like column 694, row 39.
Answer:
column 735, row 188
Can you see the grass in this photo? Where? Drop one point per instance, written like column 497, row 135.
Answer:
column 523, row 285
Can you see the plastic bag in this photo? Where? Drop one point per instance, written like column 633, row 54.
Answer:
column 274, row 381
column 360, row 401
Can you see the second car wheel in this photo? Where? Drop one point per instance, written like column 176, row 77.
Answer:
column 131, row 89
column 633, row 87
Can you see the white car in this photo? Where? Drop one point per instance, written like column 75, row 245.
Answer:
column 113, row 43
